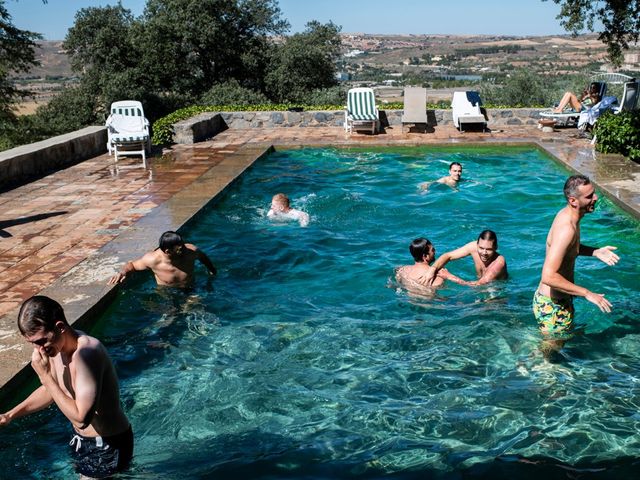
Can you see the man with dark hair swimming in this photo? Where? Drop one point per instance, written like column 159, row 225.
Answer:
column 76, row 374
column 423, row 252
column 490, row 265
column 452, row 180
column 172, row 263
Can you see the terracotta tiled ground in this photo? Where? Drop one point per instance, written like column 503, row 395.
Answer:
column 54, row 224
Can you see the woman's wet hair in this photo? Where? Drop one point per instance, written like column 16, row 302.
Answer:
column 572, row 184
column 419, row 248
column 39, row 313
column 168, row 240
column 489, row 235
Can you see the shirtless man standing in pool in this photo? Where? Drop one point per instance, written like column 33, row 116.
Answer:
column 77, row 375
column 553, row 300
column 452, row 180
column 172, row 263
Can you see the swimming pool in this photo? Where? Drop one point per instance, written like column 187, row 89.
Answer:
column 303, row 359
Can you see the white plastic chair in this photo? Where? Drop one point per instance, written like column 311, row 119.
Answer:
column 128, row 130
column 466, row 107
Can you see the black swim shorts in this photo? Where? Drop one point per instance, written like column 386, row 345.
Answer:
column 99, row 457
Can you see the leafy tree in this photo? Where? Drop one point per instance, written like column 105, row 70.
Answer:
column 190, row 45
column 103, row 52
column 305, row 62
column 327, row 96
column 232, row 93
column 71, row 109
column 620, row 20
column 523, row 88
column 17, row 54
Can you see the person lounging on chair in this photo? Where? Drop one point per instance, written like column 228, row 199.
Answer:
column 589, row 97
column 588, row 117
column 565, row 116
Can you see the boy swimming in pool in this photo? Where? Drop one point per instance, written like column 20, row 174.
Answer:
column 172, row 263
column 452, row 180
column 76, row 374
column 281, row 211
column 409, row 276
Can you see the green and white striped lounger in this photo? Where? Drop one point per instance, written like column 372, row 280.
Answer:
column 361, row 110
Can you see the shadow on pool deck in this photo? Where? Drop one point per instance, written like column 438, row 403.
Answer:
column 101, row 215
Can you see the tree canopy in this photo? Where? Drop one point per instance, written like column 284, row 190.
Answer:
column 620, row 20
column 17, row 54
column 304, row 62
column 188, row 45
column 179, row 52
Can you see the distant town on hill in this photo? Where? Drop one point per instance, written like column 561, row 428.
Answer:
column 439, row 61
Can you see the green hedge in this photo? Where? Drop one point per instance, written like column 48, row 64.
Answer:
column 619, row 133
column 163, row 127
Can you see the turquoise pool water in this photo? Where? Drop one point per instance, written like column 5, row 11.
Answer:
column 303, row 359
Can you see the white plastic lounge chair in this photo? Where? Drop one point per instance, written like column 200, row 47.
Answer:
column 128, row 130
column 629, row 97
column 361, row 110
column 570, row 117
column 415, row 106
column 466, row 108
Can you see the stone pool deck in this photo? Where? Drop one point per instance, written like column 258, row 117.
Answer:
column 65, row 234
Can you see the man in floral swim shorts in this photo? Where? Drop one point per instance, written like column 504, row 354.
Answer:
column 553, row 300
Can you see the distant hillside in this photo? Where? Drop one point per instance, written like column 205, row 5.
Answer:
column 54, row 63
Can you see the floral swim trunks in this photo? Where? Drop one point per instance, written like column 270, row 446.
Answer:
column 554, row 317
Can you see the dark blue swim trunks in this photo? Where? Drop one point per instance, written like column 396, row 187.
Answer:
column 100, row 457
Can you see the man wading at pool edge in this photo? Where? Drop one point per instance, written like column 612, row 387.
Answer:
column 172, row 263
column 553, row 300
column 77, row 374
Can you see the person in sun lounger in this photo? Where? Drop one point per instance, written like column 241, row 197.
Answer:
column 172, row 263
column 281, row 211
column 452, row 180
column 589, row 97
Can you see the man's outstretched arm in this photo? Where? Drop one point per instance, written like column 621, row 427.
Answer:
column 604, row 254
column 130, row 267
column 551, row 273
column 38, row 400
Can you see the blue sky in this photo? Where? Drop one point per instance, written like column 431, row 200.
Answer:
column 494, row 17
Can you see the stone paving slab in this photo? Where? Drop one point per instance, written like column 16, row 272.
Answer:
column 64, row 235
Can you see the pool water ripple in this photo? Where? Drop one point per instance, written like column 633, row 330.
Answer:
column 303, row 358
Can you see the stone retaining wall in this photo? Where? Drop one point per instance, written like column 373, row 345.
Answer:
column 26, row 162
column 207, row 125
